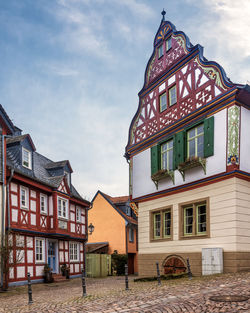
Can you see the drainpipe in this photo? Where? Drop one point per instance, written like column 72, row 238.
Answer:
column 8, row 196
column 3, row 204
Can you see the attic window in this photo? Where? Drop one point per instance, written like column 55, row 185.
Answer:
column 26, row 158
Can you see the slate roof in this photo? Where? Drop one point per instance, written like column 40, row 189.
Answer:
column 20, row 138
column 51, row 165
column 7, row 119
column 39, row 172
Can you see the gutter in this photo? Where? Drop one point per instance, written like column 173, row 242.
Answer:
column 8, row 196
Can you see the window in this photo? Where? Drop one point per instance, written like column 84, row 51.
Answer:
column 160, row 51
column 40, row 250
column 168, row 44
column 43, row 204
column 128, row 211
column 172, row 99
column 195, row 142
column 167, row 155
column 131, row 234
column 62, row 208
column 194, row 219
column 26, row 158
column 163, row 102
column 24, row 198
column 161, row 224
column 78, row 214
column 73, row 251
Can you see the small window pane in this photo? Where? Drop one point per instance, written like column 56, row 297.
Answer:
column 200, row 146
column 168, row 44
column 167, row 224
column 172, row 95
column 188, row 220
column 163, row 102
column 201, row 219
column 157, row 225
column 191, row 148
column 160, row 51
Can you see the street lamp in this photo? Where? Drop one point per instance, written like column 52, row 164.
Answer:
column 91, row 228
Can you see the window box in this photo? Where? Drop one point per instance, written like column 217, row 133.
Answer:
column 161, row 174
column 191, row 163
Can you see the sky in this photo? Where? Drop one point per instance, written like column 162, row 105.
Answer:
column 71, row 71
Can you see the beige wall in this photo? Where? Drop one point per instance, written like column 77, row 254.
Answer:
column 223, row 219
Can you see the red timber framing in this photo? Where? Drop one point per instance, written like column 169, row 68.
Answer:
column 34, row 222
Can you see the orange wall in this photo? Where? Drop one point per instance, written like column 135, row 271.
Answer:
column 131, row 245
column 109, row 225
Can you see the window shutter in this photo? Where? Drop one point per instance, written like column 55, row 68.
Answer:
column 179, row 148
column 208, row 137
column 155, row 159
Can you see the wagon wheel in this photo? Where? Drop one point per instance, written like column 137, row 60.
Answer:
column 174, row 265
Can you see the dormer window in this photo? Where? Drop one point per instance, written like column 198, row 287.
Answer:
column 26, row 158
column 168, row 44
column 160, row 51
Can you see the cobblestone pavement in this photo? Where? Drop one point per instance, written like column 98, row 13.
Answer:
column 107, row 295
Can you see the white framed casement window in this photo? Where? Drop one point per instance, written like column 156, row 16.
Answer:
column 167, row 150
column 163, row 102
column 74, row 251
column 62, row 208
column 78, row 214
column 168, row 44
column 43, row 203
column 195, row 142
column 40, row 250
column 26, row 158
column 131, row 234
column 24, row 197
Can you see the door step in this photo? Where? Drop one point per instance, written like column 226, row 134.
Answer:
column 58, row 278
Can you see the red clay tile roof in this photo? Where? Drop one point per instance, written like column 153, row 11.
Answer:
column 120, row 199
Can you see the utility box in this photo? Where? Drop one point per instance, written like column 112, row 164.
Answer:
column 212, row 261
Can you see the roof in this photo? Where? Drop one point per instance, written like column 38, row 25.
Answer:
column 95, row 246
column 114, row 202
column 51, row 165
column 20, row 138
column 7, row 120
column 39, row 172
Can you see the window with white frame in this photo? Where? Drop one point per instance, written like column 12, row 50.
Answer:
column 78, row 214
column 62, row 207
column 131, row 234
column 26, row 158
column 43, row 203
column 24, row 197
column 40, row 250
column 74, row 251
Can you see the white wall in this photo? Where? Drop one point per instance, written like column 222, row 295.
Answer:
column 245, row 140
column 142, row 183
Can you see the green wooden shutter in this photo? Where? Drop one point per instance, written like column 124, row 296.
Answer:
column 155, row 159
column 208, row 137
column 179, row 148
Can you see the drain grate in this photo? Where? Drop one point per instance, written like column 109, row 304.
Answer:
column 229, row 298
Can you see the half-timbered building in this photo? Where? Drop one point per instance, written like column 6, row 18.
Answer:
column 45, row 217
column 188, row 150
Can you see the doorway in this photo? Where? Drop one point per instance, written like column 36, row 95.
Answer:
column 52, row 255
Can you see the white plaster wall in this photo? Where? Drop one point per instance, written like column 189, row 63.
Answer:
column 29, row 241
column 14, row 215
column 61, row 256
column 14, row 200
column 50, row 205
column 72, row 227
column 60, row 244
column 30, row 256
column 33, row 194
column 20, row 271
column 33, row 219
column 244, row 140
column 77, row 267
column 33, row 205
column 142, row 183
column 39, row 270
column 13, row 187
column 30, row 270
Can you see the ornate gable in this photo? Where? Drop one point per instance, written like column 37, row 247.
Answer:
column 197, row 82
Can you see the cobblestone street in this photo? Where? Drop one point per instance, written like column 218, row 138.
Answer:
column 108, row 295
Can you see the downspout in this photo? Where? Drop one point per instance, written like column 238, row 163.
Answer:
column 8, row 196
column 3, row 209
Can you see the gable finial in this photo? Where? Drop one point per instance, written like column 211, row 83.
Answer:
column 163, row 13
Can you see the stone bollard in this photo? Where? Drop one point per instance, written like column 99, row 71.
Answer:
column 84, row 293
column 126, row 277
column 158, row 274
column 189, row 270
column 29, row 290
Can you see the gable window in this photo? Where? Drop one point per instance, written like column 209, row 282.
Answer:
column 160, row 51
column 74, row 251
column 161, row 224
column 172, row 95
column 62, row 208
column 168, row 44
column 167, row 155
column 131, row 234
column 194, row 219
column 43, row 204
column 195, row 142
column 78, row 214
column 40, row 250
column 163, row 102
column 26, row 158
column 24, row 197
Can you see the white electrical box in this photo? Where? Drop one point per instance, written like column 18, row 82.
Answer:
column 212, row 261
